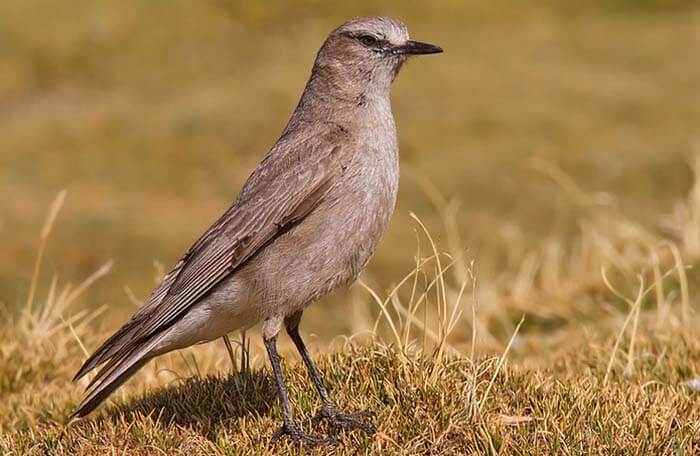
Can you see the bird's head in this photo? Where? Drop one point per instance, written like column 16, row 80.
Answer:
column 369, row 52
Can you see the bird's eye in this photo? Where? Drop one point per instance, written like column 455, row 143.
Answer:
column 368, row 40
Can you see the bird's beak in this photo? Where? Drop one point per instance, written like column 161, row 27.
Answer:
column 416, row 47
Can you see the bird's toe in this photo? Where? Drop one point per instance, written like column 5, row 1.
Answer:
column 296, row 435
column 346, row 421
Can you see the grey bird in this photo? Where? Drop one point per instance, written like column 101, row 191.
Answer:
column 306, row 222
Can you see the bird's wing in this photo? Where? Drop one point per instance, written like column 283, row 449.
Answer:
column 266, row 210
column 283, row 190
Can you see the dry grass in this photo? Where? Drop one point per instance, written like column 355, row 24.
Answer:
column 550, row 307
column 549, row 411
column 617, row 381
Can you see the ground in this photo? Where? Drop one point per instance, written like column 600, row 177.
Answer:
column 423, row 407
column 536, row 291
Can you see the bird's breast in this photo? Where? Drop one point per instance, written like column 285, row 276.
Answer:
column 364, row 199
column 333, row 244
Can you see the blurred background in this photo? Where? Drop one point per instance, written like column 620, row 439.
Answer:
column 152, row 114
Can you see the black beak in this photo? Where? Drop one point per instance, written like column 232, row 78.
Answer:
column 416, row 47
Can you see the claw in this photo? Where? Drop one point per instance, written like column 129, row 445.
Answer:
column 297, row 436
column 346, row 421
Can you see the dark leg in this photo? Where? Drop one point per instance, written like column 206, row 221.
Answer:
column 328, row 411
column 289, row 428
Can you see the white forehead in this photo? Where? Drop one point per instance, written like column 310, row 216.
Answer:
column 387, row 28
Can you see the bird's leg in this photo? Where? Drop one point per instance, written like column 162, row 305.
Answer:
column 290, row 427
column 328, row 411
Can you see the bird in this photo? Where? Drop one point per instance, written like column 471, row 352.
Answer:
column 306, row 222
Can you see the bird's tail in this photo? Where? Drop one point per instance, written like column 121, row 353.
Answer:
column 113, row 376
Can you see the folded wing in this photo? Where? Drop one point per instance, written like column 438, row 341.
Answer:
column 278, row 194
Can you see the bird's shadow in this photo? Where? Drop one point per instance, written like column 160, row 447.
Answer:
column 202, row 404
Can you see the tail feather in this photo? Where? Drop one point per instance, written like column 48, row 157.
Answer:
column 115, row 372
column 105, row 388
column 121, row 343
column 106, row 351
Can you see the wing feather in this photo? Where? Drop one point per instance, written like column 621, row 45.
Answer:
column 276, row 195
column 256, row 223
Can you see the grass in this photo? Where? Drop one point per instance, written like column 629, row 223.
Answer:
column 568, row 408
column 549, row 185
column 620, row 381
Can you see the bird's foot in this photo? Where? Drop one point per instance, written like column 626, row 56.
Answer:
column 297, row 436
column 346, row 421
